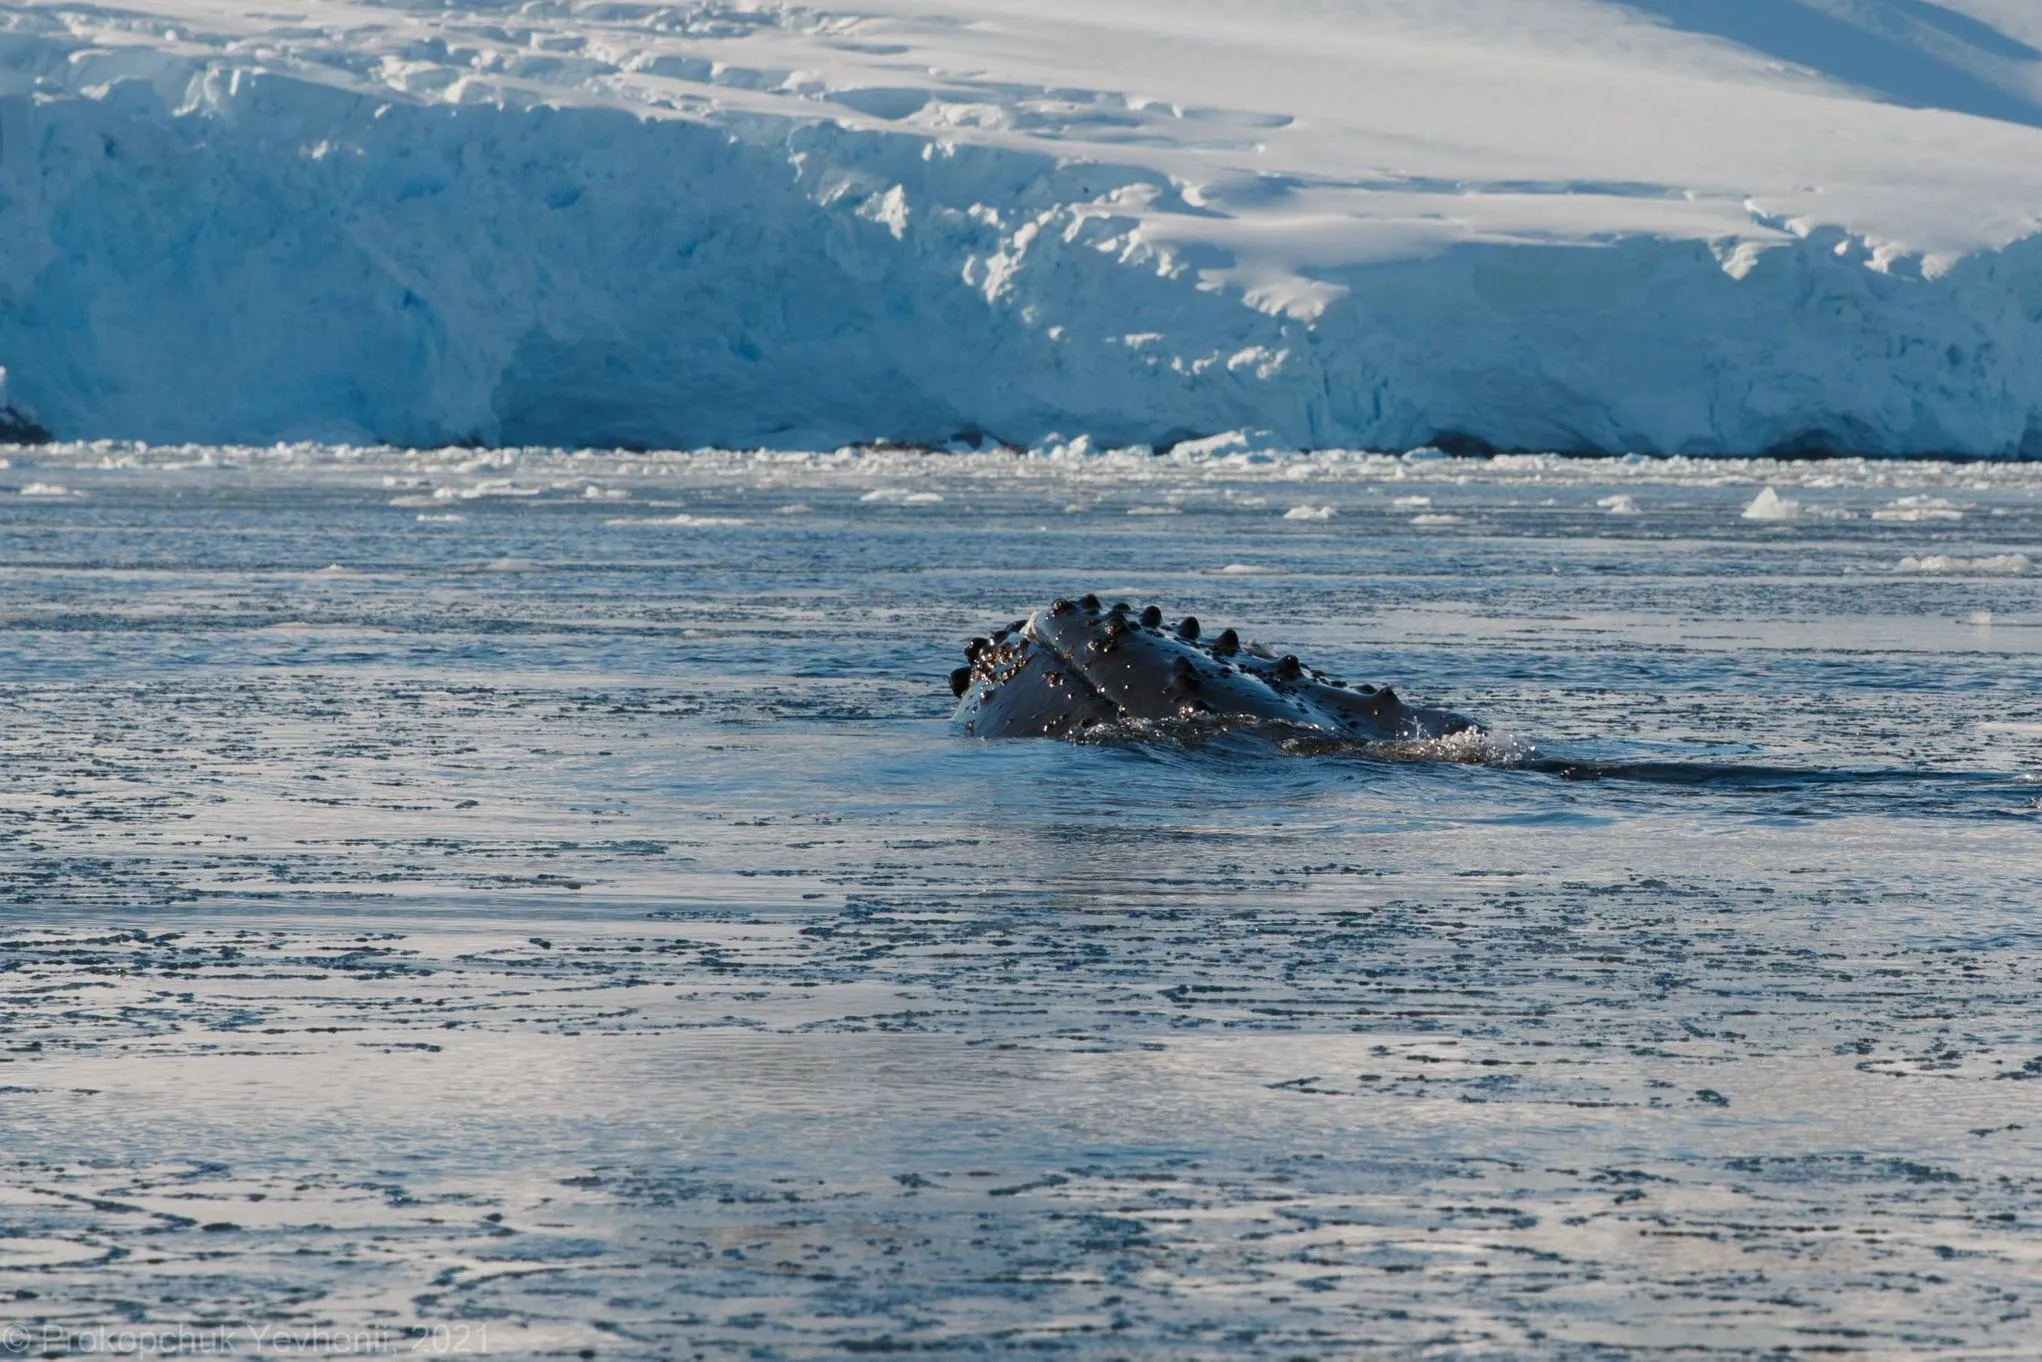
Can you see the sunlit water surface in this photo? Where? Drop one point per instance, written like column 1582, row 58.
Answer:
column 540, row 896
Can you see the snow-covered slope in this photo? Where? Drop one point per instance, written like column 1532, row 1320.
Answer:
column 1696, row 225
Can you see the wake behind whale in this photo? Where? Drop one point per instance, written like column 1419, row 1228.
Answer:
column 1099, row 674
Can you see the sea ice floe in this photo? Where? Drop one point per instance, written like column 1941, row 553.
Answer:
column 693, row 522
column 1917, row 508
column 902, row 496
column 488, row 487
column 1943, row 562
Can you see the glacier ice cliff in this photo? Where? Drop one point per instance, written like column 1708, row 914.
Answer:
column 214, row 250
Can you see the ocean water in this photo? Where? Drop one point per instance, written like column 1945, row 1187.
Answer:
column 534, row 904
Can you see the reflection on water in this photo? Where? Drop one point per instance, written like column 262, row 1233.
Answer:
column 572, row 912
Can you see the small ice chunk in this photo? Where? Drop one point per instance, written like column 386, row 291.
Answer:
column 1770, row 505
column 1230, row 444
column 2011, row 563
column 1918, row 508
column 487, row 487
column 1619, row 505
column 1435, row 520
column 1310, row 513
column 693, row 522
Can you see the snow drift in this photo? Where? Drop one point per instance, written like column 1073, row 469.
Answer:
column 1543, row 224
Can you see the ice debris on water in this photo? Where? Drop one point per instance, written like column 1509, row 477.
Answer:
column 1918, row 508
column 692, row 522
column 902, row 496
column 1232, row 971
column 1244, row 444
column 1770, row 505
column 2009, row 563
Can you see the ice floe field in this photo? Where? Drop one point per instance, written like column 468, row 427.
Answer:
column 532, row 903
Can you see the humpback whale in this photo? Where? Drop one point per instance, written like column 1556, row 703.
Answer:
column 1078, row 666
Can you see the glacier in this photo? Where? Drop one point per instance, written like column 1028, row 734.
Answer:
column 1555, row 225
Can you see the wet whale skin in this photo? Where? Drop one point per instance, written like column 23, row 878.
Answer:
column 1079, row 665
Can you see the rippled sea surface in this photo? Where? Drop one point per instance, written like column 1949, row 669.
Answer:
column 535, row 904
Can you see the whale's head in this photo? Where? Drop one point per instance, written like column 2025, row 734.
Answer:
column 1081, row 664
